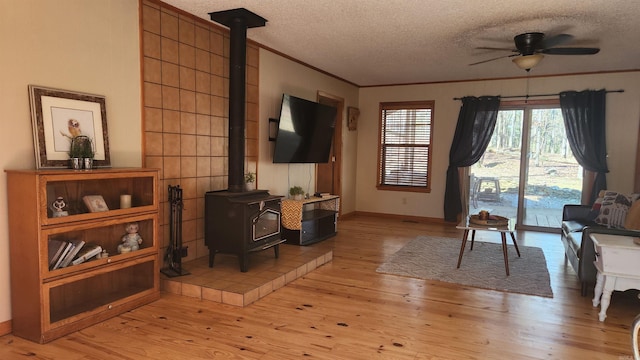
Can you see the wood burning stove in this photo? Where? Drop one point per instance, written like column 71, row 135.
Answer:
column 241, row 223
column 237, row 221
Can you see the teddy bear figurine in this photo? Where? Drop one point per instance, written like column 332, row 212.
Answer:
column 131, row 240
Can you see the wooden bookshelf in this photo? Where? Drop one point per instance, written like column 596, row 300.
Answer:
column 47, row 303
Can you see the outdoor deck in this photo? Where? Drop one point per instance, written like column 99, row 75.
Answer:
column 546, row 218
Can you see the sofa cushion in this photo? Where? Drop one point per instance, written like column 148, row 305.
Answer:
column 570, row 226
column 574, row 242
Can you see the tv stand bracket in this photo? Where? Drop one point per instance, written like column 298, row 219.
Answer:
column 273, row 127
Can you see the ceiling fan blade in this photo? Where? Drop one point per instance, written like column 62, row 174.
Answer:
column 570, row 51
column 499, row 57
column 555, row 40
column 494, row 48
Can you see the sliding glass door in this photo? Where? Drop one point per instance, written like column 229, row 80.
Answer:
column 528, row 171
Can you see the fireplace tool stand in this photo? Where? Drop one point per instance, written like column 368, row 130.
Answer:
column 175, row 251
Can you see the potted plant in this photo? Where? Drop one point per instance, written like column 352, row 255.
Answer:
column 250, row 181
column 81, row 152
column 296, row 193
column 88, row 153
column 75, row 154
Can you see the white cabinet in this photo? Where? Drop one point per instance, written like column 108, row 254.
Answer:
column 617, row 259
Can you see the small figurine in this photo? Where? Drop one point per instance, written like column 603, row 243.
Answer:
column 131, row 240
column 57, row 207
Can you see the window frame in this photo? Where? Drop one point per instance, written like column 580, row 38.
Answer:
column 405, row 105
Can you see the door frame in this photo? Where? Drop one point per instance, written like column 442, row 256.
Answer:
column 524, row 160
column 338, row 103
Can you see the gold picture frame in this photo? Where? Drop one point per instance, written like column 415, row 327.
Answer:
column 352, row 118
column 59, row 115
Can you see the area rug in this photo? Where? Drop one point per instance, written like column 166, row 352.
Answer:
column 435, row 258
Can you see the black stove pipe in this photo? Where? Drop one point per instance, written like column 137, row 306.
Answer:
column 237, row 20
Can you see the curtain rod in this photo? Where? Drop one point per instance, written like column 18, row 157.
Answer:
column 542, row 95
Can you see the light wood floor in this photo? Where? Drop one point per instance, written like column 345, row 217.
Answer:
column 345, row 310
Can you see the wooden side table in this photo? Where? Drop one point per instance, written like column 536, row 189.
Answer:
column 616, row 261
column 503, row 230
column 311, row 220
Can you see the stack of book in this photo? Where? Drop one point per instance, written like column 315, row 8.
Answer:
column 63, row 253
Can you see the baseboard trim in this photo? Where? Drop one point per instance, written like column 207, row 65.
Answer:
column 420, row 219
column 346, row 216
column 5, row 327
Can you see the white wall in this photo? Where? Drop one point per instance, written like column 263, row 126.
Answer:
column 623, row 115
column 78, row 45
column 279, row 75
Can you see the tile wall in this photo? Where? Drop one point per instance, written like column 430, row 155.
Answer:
column 185, row 67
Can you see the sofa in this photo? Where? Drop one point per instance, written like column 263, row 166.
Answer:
column 612, row 213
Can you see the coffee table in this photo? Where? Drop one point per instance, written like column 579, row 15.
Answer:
column 502, row 229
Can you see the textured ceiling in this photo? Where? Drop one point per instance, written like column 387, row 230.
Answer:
column 382, row 42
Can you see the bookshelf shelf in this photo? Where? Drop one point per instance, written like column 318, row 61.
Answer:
column 51, row 302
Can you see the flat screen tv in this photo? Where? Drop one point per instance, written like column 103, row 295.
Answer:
column 305, row 131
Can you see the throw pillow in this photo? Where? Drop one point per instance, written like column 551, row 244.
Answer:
column 595, row 208
column 614, row 209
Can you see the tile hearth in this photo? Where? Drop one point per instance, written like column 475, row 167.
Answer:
column 225, row 283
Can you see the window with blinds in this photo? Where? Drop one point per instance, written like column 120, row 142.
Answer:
column 405, row 146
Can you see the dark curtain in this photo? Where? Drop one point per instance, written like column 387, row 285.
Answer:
column 476, row 123
column 584, row 121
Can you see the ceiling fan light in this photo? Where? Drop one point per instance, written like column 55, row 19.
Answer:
column 526, row 62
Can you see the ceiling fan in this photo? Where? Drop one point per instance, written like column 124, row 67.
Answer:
column 531, row 47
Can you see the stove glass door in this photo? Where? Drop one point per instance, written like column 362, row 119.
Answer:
column 266, row 224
